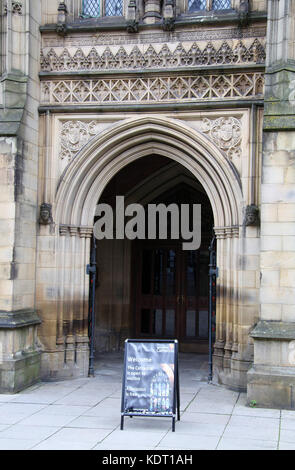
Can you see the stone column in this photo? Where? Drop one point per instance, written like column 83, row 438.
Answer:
column 152, row 11
column 271, row 380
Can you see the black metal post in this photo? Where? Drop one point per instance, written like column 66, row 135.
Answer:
column 213, row 274
column 91, row 270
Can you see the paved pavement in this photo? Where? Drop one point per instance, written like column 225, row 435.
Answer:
column 85, row 414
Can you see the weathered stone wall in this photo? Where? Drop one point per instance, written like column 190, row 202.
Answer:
column 20, row 352
column 271, row 379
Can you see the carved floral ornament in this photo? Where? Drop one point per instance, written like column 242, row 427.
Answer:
column 74, row 135
column 225, row 132
column 211, row 54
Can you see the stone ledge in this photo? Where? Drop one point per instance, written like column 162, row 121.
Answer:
column 273, row 330
column 20, row 319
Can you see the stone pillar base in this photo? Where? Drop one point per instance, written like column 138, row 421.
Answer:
column 271, row 387
column 53, row 366
column 18, row 374
column 271, row 380
column 19, row 351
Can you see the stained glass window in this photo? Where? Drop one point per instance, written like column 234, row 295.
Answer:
column 221, row 4
column 196, row 5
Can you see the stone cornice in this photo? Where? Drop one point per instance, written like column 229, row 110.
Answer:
column 18, row 319
column 99, row 24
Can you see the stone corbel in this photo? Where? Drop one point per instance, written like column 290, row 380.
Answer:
column 132, row 21
column 243, row 11
column 45, row 214
column 168, row 15
column 251, row 216
column 62, row 12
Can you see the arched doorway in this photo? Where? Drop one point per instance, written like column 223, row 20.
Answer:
column 80, row 188
column 154, row 288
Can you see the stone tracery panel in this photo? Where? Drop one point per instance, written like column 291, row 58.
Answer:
column 163, row 56
column 188, row 88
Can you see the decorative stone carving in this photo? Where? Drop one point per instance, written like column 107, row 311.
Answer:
column 150, row 57
column 74, row 135
column 45, row 214
column 87, row 39
column 17, row 8
column 251, row 215
column 188, row 88
column 226, row 133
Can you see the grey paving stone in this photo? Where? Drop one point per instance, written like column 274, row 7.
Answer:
column 59, row 445
column 287, row 435
column 200, row 429
column 147, row 424
column 286, row 446
column 205, row 418
column 54, row 420
column 26, row 432
column 82, row 435
column 189, row 442
column 24, row 409
column 287, row 423
column 138, row 438
column 242, row 409
column 80, row 399
column 95, row 422
column 290, row 414
column 262, row 433
column 246, row 444
column 65, row 410
column 17, row 444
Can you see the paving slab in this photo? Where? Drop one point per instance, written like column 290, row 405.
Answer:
column 246, row 444
column 84, row 414
column 21, row 431
column 140, row 439
column 187, row 442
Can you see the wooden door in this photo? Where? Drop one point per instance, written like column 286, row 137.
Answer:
column 171, row 292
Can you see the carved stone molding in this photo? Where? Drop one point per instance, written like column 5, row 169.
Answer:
column 226, row 133
column 194, row 34
column 180, row 56
column 74, row 135
column 153, row 89
column 75, row 230
column 226, row 232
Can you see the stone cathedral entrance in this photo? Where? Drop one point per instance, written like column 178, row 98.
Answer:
column 154, row 288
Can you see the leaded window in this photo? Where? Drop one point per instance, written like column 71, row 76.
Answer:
column 196, row 5
column 199, row 5
column 221, row 4
column 96, row 8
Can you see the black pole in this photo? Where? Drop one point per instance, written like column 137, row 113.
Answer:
column 91, row 270
column 213, row 274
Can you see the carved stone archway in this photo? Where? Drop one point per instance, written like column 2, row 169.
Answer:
column 79, row 190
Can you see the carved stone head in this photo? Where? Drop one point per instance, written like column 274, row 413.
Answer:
column 252, row 215
column 45, row 214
